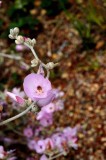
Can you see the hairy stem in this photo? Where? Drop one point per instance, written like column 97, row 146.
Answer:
column 10, row 56
column 18, row 115
column 58, row 155
column 36, row 57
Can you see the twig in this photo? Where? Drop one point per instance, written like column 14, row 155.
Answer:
column 36, row 57
column 18, row 58
column 10, row 56
column 52, row 36
column 58, row 155
column 17, row 116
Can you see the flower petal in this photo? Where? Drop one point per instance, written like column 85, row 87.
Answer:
column 15, row 98
column 45, row 101
column 32, row 82
column 11, row 95
column 20, row 100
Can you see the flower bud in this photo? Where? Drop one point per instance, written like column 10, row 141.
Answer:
column 19, row 40
column 14, row 33
column 30, row 42
column 51, row 65
column 11, row 37
column 16, row 30
column 34, row 62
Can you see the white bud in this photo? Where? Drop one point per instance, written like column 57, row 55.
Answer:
column 51, row 65
column 30, row 42
column 19, row 40
column 33, row 41
column 34, row 62
column 16, row 30
column 14, row 33
column 11, row 37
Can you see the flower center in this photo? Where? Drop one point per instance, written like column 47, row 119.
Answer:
column 39, row 90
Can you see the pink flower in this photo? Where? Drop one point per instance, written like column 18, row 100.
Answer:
column 40, row 146
column 59, row 105
column 16, row 98
column 28, row 132
column 2, row 152
column 38, row 89
column 58, row 140
column 70, row 135
column 46, row 112
column 49, row 143
column 0, row 3
column 70, row 132
column 43, row 157
column 40, row 115
column 59, row 93
column 32, row 144
column 20, row 47
column 46, row 120
column 72, row 143
column 50, row 108
column 18, row 92
column 36, row 86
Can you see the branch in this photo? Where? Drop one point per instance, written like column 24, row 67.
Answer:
column 18, row 115
column 10, row 56
column 36, row 57
column 58, row 155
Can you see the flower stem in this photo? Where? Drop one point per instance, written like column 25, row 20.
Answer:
column 58, row 155
column 18, row 115
column 36, row 57
column 10, row 56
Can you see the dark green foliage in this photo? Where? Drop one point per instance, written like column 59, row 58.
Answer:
column 84, row 30
column 16, row 79
column 53, row 7
column 26, row 22
column 1, row 22
column 20, row 16
column 20, row 8
column 18, row 13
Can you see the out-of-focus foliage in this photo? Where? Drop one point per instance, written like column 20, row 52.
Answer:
column 90, row 17
column 53, row 7
column 85, row 33
column 85, row 16
column 18, row 14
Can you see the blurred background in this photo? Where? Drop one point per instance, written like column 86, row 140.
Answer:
column 73, row 33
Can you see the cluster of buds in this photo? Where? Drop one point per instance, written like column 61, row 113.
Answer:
column 30, row 42
column 19, row 40
column 14, row 33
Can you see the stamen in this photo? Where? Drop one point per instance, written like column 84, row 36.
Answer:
column 39, row 88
